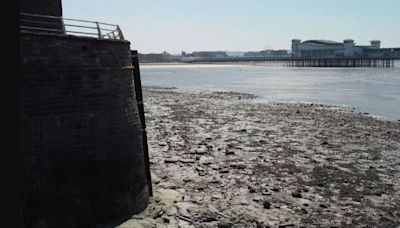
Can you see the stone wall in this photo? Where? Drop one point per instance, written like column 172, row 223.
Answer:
column 80, row 131
column 42, row 7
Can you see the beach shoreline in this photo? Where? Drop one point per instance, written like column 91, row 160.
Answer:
column 221, row 159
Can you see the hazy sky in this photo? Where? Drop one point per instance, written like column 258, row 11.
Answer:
column 241, row 25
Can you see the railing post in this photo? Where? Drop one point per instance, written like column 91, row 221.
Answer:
column 98, row 30
column 63, row 25
column 139, row 100
column 120, row 33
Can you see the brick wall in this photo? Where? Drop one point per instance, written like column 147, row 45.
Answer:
column 80, row 131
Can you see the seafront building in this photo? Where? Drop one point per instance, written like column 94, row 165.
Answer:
column 347, row 48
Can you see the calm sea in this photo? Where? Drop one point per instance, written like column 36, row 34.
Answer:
column 372, row 90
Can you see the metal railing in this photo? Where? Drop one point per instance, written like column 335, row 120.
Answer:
column 59, row 25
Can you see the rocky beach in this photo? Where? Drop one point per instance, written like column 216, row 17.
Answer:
column 224, row 160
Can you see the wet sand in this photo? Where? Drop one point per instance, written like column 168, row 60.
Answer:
column 223, row 160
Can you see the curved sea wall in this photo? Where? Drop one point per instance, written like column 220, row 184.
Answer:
column 80, row 132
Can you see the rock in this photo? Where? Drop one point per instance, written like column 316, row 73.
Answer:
column 167, row 185
column 198, row 168
column 240, row 166
column 224, row 224
column 285, row 225
column 186, row 160
column 296, row 194
column 252, row 189
column 169, row 195
column 224, row 170
column 201, row 150
column 324, row 143
column 155, row 179
column 275, row 189
column 187, row 179
column 165, row 219
column 261, row 225
column 323, row 205
column 229, row 152
column 206, row 160
column 266, row 204
column 160, row 225
column 209, row 218
column 244, row 202
column 266, row 193
column 171, row 160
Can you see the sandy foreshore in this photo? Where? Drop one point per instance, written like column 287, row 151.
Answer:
column 222, row 160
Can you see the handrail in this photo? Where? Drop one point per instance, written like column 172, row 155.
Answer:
column 58, row 25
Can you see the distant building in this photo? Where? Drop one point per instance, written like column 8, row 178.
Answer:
column 158, row 57
column 347, row 48
column 266, row 53
column 210, row 54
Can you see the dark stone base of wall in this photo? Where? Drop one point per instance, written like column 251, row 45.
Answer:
column 81, row 133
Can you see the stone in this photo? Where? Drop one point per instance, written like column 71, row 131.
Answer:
column 275, row 189
column 229, row 152
column 187, row 179
column 201, row 150
column 171, row 160
column 224, row 224
column 205, row 160
column 260, row 225
column 240, row 166
column 186, row 160
column 266, row 204
column 296, row 194
column 285, row 225
column 165, row 219
column 252, row 189
column 323, row 205
column 224, row 170
column 155, row 179
column 244, row 202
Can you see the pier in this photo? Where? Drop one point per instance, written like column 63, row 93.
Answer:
column 374, row 62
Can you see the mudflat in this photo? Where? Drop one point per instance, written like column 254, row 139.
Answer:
column 223, row 160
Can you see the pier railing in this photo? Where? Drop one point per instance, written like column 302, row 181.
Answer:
column 60, row 25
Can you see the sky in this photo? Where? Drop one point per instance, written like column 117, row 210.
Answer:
column 154, row 26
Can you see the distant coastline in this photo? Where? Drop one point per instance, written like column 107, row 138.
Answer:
column 163, row 63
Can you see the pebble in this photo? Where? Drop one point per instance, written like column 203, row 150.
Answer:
column 323, row 205
column 286, row 225
column 252, row 189
column 224, row 224
column 201, row 150
column 183, row 160
column 224, row 170
column 296, row 194
column 266, row 204
column 171, row 160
